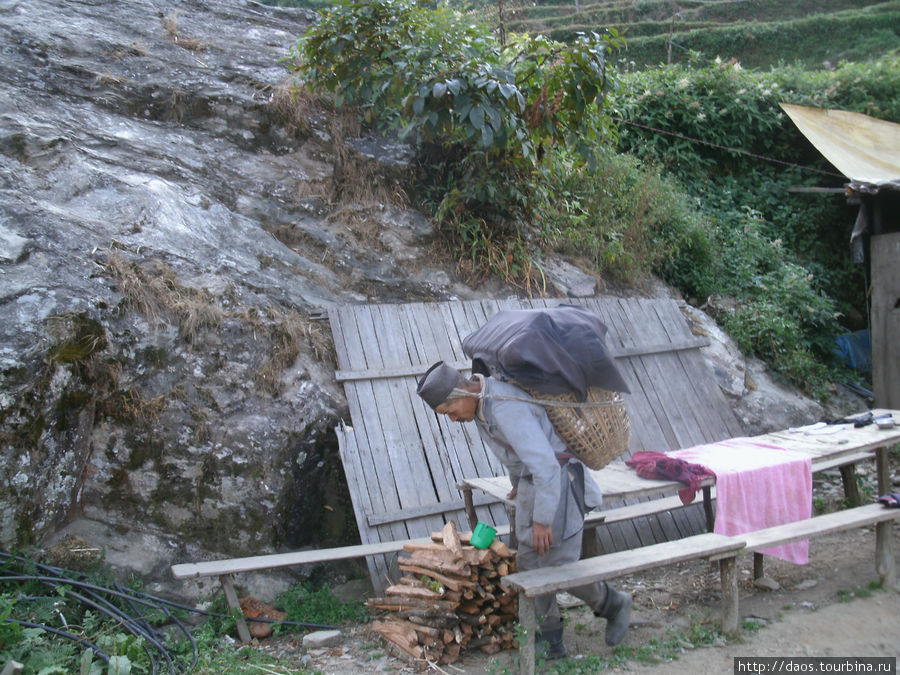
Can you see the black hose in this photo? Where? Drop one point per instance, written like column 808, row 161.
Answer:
column 69, row 636
column 104, row 607
column 92, row 596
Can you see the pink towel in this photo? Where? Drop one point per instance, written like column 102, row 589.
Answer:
column 758, row 486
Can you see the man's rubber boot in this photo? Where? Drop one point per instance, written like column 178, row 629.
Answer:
column 617, row 612
column 548, row 644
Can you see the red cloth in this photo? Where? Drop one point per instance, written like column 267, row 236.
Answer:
column 659, row 466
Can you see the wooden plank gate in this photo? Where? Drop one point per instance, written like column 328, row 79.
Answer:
column 403, row 462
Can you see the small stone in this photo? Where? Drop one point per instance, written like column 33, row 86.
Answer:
column 321, row 638
column 807, row 584
column 766, row 583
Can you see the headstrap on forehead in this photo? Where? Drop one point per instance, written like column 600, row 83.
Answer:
column 438, row 382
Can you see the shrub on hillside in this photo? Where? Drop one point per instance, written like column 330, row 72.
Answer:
column 483, row 114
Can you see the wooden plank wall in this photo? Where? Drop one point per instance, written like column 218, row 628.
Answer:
column 402, row 461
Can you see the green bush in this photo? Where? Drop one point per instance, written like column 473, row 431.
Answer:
column 782, row 255
column 623, row 216
column 483, row 114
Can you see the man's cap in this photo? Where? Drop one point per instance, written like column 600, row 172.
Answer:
column 437, row 383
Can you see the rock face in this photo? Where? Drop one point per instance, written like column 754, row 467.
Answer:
column 171, row 225
column 162, row 369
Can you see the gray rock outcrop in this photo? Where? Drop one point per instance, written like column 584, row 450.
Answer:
column 169, row 239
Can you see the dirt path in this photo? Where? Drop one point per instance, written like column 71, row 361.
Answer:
column 825, row 608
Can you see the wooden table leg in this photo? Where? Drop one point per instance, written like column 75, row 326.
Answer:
column 708, row 509
column 759, row 565
column 851, row 489
column 729, row 579
column 884, row 554
column 884, row 549
column 232, row 600
column 528, row 626
column 883, row 470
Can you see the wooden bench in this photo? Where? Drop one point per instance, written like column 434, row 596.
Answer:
column 717, row 548
column 537, row 582
column 225, row 569
column 861, row 516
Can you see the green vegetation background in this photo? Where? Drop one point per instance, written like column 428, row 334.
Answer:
column 693, row 173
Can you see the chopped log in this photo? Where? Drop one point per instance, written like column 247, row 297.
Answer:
column 430, row 616
column 450, row 655
column 503, row 569
column 459, row 567
column 397, row 632
column 451, row 538
column 478, row 556
column 501, row 549
column 399, row 604
column 415, row 652
column 449, row 582
column 409, row 580
column 421, row 629
column 412, row 591
column 491, row 648
column 473, row 619
column 470, row 607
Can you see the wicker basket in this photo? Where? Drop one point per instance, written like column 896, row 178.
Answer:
column 596, row 434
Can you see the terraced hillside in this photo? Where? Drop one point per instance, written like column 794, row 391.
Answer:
column 757, row 33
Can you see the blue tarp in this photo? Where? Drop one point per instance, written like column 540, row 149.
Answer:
column 855, row 350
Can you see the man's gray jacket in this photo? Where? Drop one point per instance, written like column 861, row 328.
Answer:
column 522, row 437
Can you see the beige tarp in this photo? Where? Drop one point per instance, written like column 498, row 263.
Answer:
column 865, row 149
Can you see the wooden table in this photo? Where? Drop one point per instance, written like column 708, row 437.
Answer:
column 829, row 446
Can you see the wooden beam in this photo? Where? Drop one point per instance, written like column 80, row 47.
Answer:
column 376, row 519
column 620, row 353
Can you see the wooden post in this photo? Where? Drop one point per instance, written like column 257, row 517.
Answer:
column 884, row 251
column 882, row 470
column 511, row 515
column 759, row 565
column 471, row 516
column 729, row 579
column 528, row 626
column 884, row 549
column 590, row 543
column 708, row 509
column 884, row 554
column 232, row 600
column 851, row 489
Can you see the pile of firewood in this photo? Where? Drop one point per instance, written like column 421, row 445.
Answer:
column 449, row 600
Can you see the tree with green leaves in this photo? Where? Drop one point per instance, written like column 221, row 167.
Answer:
column 485, row 116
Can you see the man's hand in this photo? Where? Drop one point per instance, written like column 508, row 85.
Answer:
column 512, row 493
column 543, row 538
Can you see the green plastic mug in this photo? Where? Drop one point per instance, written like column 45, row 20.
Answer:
column 483, row 535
